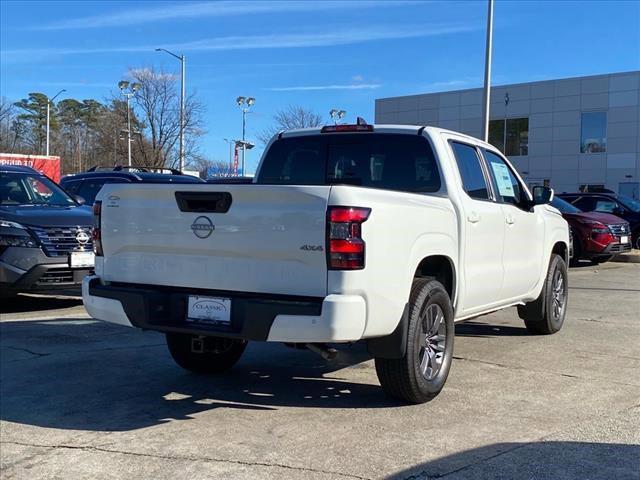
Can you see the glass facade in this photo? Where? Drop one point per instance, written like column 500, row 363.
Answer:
column 510, row 136
column 593, row 133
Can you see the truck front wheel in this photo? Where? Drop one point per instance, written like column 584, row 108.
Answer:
column 545, row 315
column 420, row 374
column 204, row 354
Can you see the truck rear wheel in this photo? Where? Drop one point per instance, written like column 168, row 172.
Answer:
column 205, row 354
column 420, row 375
column 545, row 315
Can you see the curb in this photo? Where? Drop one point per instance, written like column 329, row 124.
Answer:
column 627, row 258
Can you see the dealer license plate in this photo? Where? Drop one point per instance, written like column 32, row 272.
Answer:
column 209, row 309
column 624, row 239
column 82, row 259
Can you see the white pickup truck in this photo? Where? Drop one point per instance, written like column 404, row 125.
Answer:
column 386, row 234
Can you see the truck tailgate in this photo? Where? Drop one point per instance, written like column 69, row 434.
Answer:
column 268, row 239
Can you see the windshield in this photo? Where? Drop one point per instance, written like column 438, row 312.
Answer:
column 386, row 161
column 629, row 202
column 564, row 207
column 25, row 189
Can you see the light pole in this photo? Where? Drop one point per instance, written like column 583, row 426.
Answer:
column 128, row 90
column 182, row 100
column 231, row 142
column 337, row 115
column 245, row 103
column 49, row 114
column 487, row 73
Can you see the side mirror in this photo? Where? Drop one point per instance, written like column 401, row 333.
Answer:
column 79, row 199
column 542, row 195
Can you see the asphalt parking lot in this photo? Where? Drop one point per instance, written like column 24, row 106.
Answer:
column 83, row 399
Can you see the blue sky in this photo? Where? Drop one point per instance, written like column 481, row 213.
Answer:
column 317, row 54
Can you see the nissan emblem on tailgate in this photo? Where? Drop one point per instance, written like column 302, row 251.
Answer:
column 202, row 227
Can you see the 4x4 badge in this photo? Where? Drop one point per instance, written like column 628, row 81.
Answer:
column 312, row 248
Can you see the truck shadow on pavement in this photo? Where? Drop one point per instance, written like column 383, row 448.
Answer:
column 484, row 330
column 87, row 375
column 544, row 460
column 83, row 374
column 38, row 303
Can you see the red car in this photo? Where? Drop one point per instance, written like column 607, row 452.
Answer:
column 596, row 236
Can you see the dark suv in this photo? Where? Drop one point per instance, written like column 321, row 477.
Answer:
column 88, row 184
column 621, row 206
column 45, row 234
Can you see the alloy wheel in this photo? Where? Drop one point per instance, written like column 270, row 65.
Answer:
column 432, row 341
column 558, row 295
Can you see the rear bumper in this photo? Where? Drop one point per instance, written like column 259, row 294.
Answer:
column 273, row 318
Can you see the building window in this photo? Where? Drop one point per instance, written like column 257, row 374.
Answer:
column 510, row 136
column 593, row 135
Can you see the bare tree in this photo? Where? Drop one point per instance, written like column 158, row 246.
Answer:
column 7, row 117
column 206, row 165
column 294, row 116
column 158, row 106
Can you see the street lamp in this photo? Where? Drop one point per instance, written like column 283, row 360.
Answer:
column 182, row 100
column 337, row 114
column 128, row 90
column 245, row 103
column 486, row 100
column 48, row 115
column 231, row 142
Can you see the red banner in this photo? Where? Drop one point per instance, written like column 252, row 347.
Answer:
column 49, row 165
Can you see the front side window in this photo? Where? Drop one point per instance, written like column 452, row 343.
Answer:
column 508, row 187
column 510, row 136
column 470, row 168
column 386, row 161
column 25, row 189
column 593, row 133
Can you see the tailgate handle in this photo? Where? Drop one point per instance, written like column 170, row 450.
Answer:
column 205, row 202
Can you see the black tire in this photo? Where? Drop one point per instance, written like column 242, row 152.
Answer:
column 635, row 239
column 218, row 354
column 577, row 253
column 546, row 314
column 403, row 378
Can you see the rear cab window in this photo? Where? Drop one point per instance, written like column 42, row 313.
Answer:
column 400, row 162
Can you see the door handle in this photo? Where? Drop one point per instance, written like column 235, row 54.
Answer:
column 473, row 217
column 510, row 220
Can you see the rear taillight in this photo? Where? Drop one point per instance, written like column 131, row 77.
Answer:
column 346, row 248
column 96, row 233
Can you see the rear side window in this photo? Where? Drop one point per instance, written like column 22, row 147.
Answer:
column 72, row 186
column 470, row 168
column 91, row 187
column 586, row 204
column 605, row 205
column 386, row 161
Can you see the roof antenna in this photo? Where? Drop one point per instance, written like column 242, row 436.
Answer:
column 361, row 121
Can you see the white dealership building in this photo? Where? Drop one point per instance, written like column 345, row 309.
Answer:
column 569, row 133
